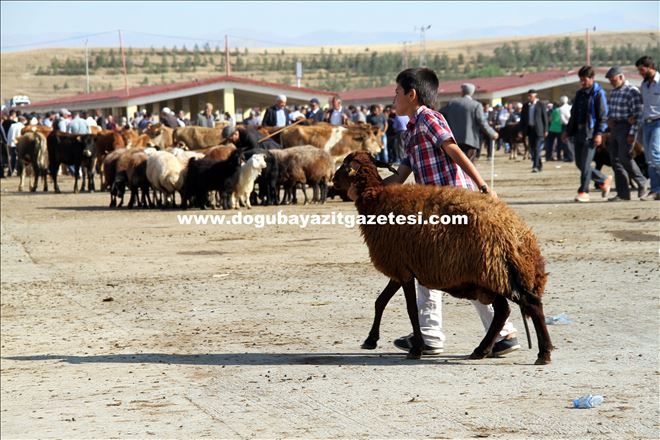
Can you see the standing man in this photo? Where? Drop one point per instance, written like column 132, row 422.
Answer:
column 651, row 121
column 337, row 115
column 12, row 139
column 534, row 120
column 466, row 117
column 205, row 118
column 277, row 115
column 587, row 124
column 562, row 145
column 625, row 105
column 315, row 113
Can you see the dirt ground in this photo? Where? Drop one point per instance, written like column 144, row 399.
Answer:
column 125, row 324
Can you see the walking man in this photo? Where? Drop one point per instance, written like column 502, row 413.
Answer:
column 651, row 121
column 625, row 105
column 587, row 124
column 534, row 120
column 465, row 117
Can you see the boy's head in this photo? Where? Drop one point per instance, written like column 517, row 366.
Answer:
column 415, row 87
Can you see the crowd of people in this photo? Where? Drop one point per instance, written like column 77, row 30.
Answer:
column 558, row 131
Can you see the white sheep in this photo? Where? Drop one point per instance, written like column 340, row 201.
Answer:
column 165, row 173
column 248, row 173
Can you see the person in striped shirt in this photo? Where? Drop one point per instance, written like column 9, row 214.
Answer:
column 624, row 114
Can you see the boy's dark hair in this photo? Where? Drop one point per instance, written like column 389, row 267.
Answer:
column 586, row 72
column 645, row 61
column 424, row 81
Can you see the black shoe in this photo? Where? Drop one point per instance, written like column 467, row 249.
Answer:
column 405, row 343
column 535, row 170
column 617, row 199
column 505, row 346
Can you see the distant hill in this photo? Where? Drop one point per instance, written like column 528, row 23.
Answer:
column 50, row 73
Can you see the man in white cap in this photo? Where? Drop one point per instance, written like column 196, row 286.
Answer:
column 277, row 115
column 465, row 117
column 168, row 119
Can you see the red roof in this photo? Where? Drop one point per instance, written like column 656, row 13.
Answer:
column 154, row 90
column 453, row 87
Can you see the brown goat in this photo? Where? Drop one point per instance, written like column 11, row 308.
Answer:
column 493, row 258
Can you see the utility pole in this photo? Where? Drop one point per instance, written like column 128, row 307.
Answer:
column 123, row 61
column 422, row 43
column 227, row 65
column 87, row 67
column 588, row 47
column 404, row 55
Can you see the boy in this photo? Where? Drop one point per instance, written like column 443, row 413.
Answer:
column 432, row 155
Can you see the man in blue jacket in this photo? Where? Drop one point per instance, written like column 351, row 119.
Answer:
column 587, row 124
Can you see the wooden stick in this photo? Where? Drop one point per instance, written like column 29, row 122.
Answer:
column 280, row 130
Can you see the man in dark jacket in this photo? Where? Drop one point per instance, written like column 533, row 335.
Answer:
column 315, row 113
column 587, row 124
column 466, row 119
column 277, row 115
column 168, row 119
column 534, row 120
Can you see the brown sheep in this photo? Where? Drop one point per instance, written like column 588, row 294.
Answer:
column 107, row 141
column 220, row 152
column 302, row 165
column 493, row 258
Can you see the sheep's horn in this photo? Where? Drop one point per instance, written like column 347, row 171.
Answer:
column 381, row 164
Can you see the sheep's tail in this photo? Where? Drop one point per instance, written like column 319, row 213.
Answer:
column 529, row 339
column 523, row 296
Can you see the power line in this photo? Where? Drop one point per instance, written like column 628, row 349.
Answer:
column 82, row 37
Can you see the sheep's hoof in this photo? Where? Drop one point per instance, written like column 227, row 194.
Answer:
column 476, row 354
column 369, row 344
column 414, row 354
column 543, row 359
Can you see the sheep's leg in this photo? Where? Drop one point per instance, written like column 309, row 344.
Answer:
column 411, row 304
column 381, row 302
column 304, row 190
column 502, row 311
column 535, row 311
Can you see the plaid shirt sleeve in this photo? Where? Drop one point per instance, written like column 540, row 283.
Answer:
column 436, row 130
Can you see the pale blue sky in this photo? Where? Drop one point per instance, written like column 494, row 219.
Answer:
column 307, row 23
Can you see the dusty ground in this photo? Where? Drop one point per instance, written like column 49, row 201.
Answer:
column 236, row 332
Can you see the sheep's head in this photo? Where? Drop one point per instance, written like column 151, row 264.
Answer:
column 357, row 173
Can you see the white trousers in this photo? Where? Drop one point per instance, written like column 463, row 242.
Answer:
column 429, row 305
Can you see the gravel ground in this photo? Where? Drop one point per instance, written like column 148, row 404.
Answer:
column 125, row 324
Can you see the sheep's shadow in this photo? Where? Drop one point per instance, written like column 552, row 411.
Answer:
column 247, row 359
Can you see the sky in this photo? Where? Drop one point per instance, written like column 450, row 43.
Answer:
column 281, row 24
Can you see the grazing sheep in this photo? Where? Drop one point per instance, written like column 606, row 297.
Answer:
column 110, row 171
column 165, row 173
column 493, row 258
column 302, row 165
column 130, row 171
column 32, row 150
column 249, row 172
column 206, row 175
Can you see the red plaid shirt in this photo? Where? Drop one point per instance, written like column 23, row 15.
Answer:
column 424, row 153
